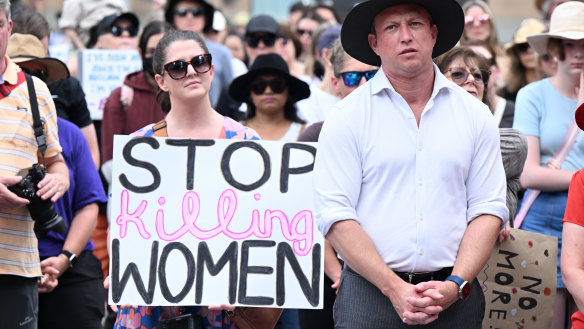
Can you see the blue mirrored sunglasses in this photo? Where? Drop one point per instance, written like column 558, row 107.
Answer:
column 352, row 78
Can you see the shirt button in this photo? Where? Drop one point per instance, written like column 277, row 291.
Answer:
column 420, row 184
column 421, row 218
column 421, row 252
column 419, row 149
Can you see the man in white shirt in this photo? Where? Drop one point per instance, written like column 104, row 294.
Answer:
column 410, row 186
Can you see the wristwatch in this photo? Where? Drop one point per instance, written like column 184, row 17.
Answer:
column 71, row 256
column 463, row 286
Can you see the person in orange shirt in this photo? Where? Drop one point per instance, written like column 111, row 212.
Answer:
column 572, row 259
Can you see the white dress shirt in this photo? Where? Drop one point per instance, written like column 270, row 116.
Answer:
column 412, row 189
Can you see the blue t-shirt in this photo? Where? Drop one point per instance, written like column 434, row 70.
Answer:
column 85, row 185
column 541, row 111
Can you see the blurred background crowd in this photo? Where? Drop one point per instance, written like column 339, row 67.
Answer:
column 311, row 66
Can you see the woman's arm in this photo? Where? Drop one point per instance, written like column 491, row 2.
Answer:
column 572, row 261
column 535, row 176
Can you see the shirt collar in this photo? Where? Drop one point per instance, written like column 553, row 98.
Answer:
column 11, row 73
column 380, row 82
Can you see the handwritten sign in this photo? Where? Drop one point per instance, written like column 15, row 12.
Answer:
column 206, row 222
column 101, row 71
column 519, row 282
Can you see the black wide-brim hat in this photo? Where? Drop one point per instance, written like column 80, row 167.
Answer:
column 268, row 64
column 207, row 7
column 446, row 14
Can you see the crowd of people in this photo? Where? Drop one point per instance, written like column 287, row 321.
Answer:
column 434, row 138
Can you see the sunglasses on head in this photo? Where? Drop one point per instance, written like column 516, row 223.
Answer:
column 481, row 20
column 41, row 73
column 117, row 31
column 353, row 78
column 459, row 75
column 178, row 69
column 522, row 47
column 302, row 31
column 254, row 40
column 182, row 12
column 277, row 85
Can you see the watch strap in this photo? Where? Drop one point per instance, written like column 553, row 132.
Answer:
column 70, row 256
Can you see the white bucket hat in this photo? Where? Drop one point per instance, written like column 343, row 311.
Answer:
column 567, row 22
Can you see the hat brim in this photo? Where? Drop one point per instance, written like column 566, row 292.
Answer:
column 539, row 42
column 56, row 70
column 446, row 14
column 580, row 116
column 240, row 88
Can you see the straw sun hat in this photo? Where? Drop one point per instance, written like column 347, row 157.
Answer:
column 566, row 23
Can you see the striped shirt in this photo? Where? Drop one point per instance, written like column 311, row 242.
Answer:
column 18, row 150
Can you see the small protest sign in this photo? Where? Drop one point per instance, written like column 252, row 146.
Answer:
column 208, row 222
column 519, row 282
column 100, row 71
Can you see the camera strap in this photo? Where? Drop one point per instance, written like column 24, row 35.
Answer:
column 38, row 127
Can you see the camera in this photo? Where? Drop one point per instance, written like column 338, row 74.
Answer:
column 42, row 211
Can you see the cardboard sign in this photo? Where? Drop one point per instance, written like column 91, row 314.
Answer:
column 208, row 222
column 519, row 282
column 101, row 71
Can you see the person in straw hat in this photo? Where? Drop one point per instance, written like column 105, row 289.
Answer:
column 572, row 259
column 523, row 67
column 409, row 182
column 544, row 111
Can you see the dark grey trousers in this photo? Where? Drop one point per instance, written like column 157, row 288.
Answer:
column 359, row 304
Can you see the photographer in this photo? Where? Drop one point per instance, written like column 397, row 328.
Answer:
column 20, row 266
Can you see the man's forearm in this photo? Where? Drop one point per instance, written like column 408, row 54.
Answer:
column 81, row 228
column 476, row 246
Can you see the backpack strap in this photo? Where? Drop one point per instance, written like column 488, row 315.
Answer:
column 159, row 129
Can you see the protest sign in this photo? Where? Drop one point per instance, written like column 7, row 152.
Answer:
column 519, row 282
column 207, row 222
column 100, row 71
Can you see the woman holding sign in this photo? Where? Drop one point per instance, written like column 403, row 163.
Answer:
column 184, row 72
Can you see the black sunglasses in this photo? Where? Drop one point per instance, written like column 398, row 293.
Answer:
column 353, row 78
column 459, row 75
column 41, row 74
column 182, row 12
column 522, row 47
column 302, row 31
column 277, row 85
column 178, row 69
column 117, row 31
column 254, row 40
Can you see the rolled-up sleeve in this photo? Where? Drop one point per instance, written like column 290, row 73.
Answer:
column 486, row 182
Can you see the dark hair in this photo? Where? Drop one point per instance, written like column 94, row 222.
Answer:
column 467, row 55
column 28, row 21
column 152, row 28
column 555, row 47
column 332, row 9
column 159, row 59
column 289, row 36
column 310, row 13
column 297, row 6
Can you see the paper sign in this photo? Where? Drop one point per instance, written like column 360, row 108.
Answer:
column 207, row 222
column 519, row 282
column 101, row 71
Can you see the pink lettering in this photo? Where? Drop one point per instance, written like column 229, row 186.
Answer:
column 125, row 217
